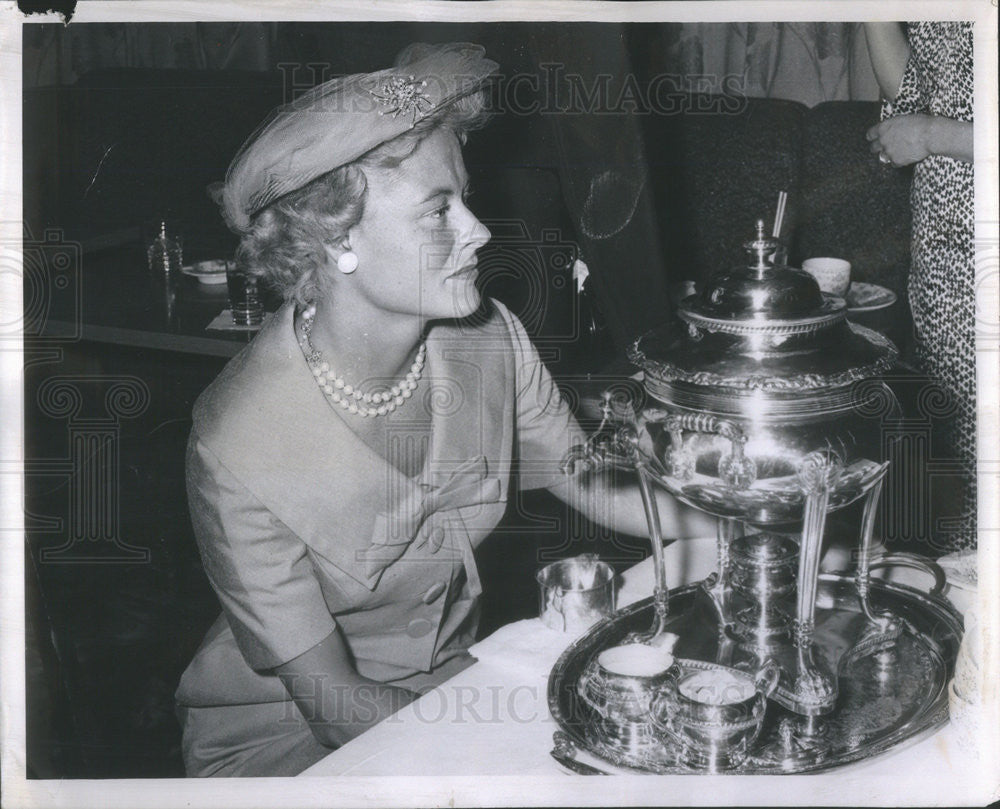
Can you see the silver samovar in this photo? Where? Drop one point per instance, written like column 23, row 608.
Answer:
column 767, row 412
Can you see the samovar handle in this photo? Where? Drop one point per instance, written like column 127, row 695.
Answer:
column 663, row 704
column 736, row 470
column 913, row 561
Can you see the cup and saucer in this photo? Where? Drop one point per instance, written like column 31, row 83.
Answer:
column 834, row 277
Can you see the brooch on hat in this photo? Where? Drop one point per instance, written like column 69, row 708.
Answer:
column 402, row 95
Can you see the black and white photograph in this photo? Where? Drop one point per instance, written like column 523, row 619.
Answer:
column 451, row 403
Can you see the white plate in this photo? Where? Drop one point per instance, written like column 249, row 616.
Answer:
column 862, row 297
column 207, row 272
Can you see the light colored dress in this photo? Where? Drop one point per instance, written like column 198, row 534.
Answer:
column 303, row 528
column 938, row 80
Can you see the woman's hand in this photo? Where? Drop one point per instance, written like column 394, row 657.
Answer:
column 908, row 139
column 620, row 508
column 902, row 140
column 336, row 701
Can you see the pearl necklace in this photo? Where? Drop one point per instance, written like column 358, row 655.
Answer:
column 348, row 396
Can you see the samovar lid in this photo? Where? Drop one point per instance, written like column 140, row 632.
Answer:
column 762, row 291
column 762, row 326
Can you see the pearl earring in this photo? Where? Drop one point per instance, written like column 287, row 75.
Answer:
column 347, row 262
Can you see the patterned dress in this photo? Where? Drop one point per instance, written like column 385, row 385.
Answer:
column 938, row 81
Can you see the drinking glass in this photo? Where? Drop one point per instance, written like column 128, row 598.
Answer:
column 244, row 296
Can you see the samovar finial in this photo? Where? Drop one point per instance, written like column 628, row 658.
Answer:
column 761, row 250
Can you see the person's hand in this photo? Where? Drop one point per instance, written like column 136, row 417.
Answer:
column 902, row 140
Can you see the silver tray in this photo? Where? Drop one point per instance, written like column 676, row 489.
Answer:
column 881, row 706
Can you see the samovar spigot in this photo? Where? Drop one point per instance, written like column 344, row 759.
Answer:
column 615, row 444
column 608, row 446
column 735, row 469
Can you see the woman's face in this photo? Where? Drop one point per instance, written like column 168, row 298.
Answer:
column 416, row 242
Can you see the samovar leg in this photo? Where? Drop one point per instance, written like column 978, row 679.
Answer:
column 661, row 592
column 882, row 628
column 865, row 560
column 813, row 691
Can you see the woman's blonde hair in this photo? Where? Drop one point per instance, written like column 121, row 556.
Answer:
column 286, row 244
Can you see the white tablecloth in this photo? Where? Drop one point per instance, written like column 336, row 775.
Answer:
column 492, row 719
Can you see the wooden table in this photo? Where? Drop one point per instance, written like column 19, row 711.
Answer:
column 111, row 297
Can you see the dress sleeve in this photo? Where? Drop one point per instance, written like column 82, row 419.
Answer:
column 546, row 427
column 259, row 569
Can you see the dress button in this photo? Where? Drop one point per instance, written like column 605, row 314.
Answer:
column 434, row 591
column 419, row 627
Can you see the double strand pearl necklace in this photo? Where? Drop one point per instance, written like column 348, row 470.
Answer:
column 347, row 396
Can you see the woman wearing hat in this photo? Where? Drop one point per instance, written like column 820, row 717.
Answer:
column 344, row 466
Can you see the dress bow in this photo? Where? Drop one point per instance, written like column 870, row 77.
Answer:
column 396, row 529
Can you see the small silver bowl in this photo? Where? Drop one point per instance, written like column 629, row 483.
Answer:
column 713, row 713
column 619, row 684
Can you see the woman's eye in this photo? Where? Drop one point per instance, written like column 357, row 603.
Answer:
column 440, row 213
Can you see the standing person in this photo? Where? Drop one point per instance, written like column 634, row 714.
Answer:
column 925, row 76
column 343, row 468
